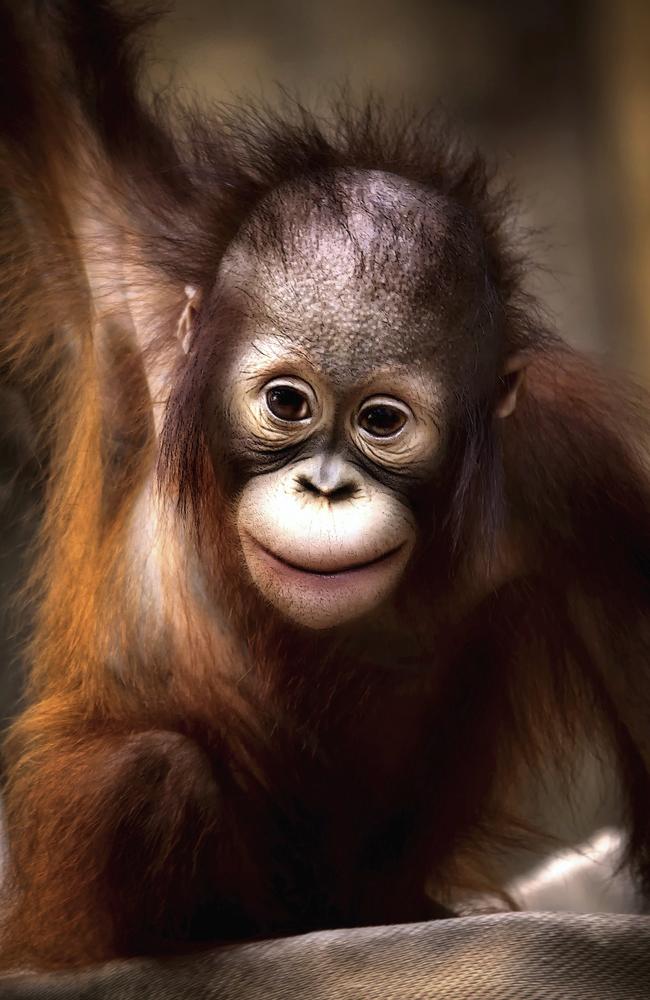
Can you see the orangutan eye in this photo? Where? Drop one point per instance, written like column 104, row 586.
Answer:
column 382, row 419
column 286, row 402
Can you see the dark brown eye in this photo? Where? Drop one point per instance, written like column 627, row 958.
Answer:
column 287, row 403
column 382, row 420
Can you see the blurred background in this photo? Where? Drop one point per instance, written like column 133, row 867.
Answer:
column 557, row 92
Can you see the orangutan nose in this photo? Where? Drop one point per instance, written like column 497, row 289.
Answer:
column 329, row 477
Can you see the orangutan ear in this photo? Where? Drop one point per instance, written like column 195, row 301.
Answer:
column 186, row 321
column 510, row 383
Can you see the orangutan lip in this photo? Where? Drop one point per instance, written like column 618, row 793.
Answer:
column 353, row 568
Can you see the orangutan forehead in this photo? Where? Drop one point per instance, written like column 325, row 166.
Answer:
column 366, row 274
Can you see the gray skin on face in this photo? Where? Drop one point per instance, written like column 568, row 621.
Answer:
column 389, row 273
column 367, row 292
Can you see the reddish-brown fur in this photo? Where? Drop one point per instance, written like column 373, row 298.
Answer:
column 176, row 784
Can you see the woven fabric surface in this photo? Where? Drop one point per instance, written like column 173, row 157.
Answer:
column 519, row 956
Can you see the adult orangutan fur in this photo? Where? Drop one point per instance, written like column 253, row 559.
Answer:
column 322, row 579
